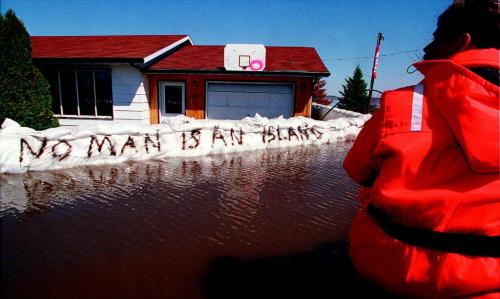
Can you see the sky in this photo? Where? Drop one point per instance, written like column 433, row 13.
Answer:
column 344, row 32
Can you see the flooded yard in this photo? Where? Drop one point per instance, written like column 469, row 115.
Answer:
column 244, row 225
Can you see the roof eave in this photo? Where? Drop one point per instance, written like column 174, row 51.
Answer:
column 150, row 59
column 86, row 60
column 224, row 72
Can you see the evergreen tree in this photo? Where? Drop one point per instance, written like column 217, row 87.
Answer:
column 354, row 93
column 24, row 92
column 319, row 93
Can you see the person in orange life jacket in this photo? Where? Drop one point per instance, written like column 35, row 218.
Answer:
column 428, row 163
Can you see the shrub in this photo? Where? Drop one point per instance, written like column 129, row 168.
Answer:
column 24, row 92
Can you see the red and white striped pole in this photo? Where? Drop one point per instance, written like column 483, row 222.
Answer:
column 375, row 63
column 374, row 70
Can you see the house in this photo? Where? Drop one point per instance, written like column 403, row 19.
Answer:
column 144, row 78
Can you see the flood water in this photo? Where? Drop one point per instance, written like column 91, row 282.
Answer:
column 246, row 225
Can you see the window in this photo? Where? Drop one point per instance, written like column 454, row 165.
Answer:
column 81, row 93
column 173, row 99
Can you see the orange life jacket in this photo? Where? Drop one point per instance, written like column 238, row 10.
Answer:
column 428, row 161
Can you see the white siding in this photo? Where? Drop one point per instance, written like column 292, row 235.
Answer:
column 130, row 99
column 71, row 122
column 128, row 114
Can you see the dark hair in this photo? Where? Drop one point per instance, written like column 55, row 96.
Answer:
column 479, row 18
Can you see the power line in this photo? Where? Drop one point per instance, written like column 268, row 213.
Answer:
column 371, row 57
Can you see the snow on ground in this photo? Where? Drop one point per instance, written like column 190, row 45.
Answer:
column 327, row 112
column 23, row 149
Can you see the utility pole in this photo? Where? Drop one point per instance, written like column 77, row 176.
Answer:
column 374, row 70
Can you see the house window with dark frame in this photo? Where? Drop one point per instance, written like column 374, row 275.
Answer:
column 81, row 92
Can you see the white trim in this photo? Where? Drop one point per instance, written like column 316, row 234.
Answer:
column 77, row 95
column 81, row 117
column 167, row 48
column 161, row 98
column 416, row 108
column 251, row 82
column 60, row 95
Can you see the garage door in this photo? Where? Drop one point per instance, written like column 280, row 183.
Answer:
column 239, row 100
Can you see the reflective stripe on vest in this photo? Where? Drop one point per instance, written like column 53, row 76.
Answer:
column 416, row 108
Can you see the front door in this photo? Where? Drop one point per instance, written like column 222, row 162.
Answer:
column 172, row 99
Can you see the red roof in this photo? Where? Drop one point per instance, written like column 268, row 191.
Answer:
column 211, row 58
column 100, row 47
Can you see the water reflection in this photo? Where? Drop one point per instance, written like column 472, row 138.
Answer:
column 154, row 228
